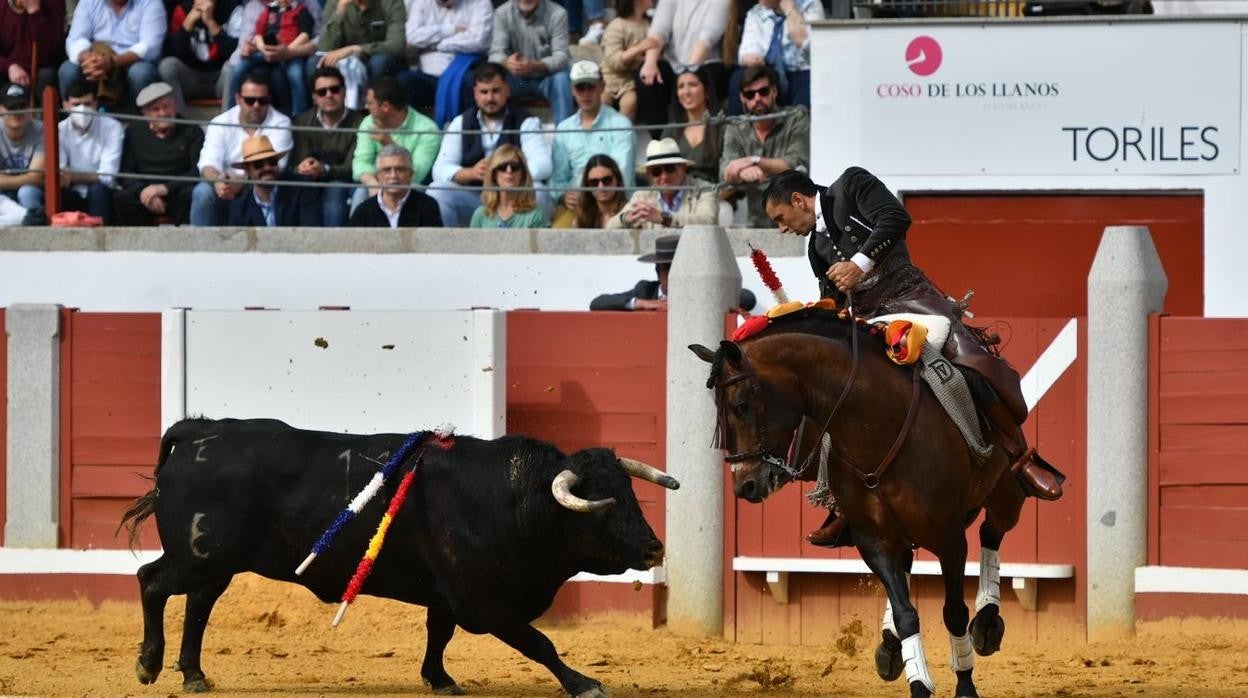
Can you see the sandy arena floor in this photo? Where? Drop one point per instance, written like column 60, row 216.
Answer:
column 274, row 639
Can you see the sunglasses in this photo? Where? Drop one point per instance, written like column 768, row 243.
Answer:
column 510, row 166
column 257, row 101
column 655, row 170
column 326, row 91
column 760, row 92
column 267, row 162
column 607, row 181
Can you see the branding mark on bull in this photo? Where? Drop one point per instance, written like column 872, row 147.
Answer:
column 199, row 454
column 197, row 532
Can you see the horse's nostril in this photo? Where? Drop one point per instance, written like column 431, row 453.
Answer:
column 747, row 488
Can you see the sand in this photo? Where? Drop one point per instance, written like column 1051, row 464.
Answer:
column 267, row 638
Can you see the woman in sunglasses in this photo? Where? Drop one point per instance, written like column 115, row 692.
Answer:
column 696, row 104
column 508, row 199
column 597, row 207
column 676, row 199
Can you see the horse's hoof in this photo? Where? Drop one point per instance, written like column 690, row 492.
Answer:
column 987, row 630
column 918, row 690
column 598, row 691
column 966, row 686
column 200, row 685
column 450, row 690
column 145, row 675
column 888, row 661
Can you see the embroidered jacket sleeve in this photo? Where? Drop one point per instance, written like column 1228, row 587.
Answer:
column 881, row 211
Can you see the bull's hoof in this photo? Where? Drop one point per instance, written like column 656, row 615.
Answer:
column 888, row 661
column 598, row 691
column 200, row 685
column 987, row 630
column 145, row 675
column 451, row 689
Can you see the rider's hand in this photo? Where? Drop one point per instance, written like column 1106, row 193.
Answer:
column 844, row 275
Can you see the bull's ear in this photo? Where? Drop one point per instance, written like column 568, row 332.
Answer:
column 703, row 353
column 731, row 351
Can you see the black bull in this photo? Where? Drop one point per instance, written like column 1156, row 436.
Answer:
column 489, row 532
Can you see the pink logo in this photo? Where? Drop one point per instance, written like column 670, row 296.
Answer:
column 923, row 55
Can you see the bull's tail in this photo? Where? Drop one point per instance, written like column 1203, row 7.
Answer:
column 145, row 506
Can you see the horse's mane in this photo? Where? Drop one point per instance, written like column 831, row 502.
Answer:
column 817, row 321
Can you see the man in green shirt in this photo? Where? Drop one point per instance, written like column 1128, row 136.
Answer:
column 370, row 31
column 390, row 120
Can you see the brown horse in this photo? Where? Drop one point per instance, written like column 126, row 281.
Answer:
column 901, row 471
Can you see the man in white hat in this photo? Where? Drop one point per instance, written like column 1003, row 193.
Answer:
column 677, row 200
column 583, row 135
column 266, row 204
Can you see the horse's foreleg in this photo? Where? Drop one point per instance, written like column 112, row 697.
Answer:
column 888, row 662
column 956, row 616
column 1002, row 512
column 890, row 566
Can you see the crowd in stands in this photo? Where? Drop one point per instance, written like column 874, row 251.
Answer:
column 404, row 112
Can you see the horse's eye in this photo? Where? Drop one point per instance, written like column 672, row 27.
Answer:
column 742, row 408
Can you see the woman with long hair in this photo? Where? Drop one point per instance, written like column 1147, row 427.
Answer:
column 508, row 199
column 598, row 206
column 696, row 104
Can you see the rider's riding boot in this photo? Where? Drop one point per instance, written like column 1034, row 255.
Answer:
column 834, row 532
column 1038, row 481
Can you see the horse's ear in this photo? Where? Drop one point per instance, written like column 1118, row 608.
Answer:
column 731, row 351
column 703, row 353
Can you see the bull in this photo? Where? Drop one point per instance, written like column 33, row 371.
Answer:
column 489, row 532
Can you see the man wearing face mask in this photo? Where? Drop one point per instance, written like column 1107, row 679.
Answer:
column 90, row 153
column 267, row 203
column 159, row 148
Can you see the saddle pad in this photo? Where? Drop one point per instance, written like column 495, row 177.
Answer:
column 937, row 326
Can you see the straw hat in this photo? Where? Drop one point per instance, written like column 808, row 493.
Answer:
column 663, row 152
column 257, row 148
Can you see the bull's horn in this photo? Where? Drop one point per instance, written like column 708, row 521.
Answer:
column 649, row 473
column 562, row 489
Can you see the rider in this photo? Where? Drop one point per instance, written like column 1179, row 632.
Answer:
column 859, row 245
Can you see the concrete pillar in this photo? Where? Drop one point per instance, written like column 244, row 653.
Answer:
column 703, row 286
column 33, row 425
column 1126, row 283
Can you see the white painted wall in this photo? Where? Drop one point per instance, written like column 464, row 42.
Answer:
column 1109, row 74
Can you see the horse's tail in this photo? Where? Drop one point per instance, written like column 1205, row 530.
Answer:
column 145, row 506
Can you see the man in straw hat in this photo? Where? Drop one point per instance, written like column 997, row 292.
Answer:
column 266, row 203
column 671, row 205
column 652, row 295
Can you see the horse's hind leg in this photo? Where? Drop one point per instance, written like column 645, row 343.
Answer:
column 888, row 662
column 890, row 563
column 956, row 616
column 1001, row 514
column 199, row 604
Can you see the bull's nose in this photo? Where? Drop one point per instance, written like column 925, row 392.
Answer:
column 652, row 554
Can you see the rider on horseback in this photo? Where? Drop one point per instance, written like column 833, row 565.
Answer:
column 859, row 246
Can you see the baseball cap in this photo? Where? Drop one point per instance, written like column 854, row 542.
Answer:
column 584, row 72
column 15, row 97
column 152, row 92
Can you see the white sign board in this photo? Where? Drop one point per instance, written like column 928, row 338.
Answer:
column 1034, row 98
column 341, row 371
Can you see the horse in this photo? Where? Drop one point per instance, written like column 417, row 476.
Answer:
column 902, row 472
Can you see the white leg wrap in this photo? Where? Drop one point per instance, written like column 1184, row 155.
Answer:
column 888, row 618
column 963, row 656
column 916, row 663
column 989, row 579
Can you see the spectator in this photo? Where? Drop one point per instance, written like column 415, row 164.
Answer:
column 90, row 144
column 701, row 139
column 25, row 24
column 243, row 26
column 777, row 34
column 580, row 136
column 623, row 50
column 267, row 204
column 531, row 41
column 441, row 30
column 281, row 42
column 607, row 198
column 652, row 295
column 368, row 31
column 756, row 150
column 21, row 150
column 114, row 44
column 254, row 115
column 508, row 200
column 397, row 205
column 159, row 148
column 324, row 155
column 687, row 35
column 671, row 205
column 462, row 159
column 390, row 120
column 594, row 11
column 197, row 48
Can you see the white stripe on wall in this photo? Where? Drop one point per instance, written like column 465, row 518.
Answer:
column 1190, row 580
column 1051, row 364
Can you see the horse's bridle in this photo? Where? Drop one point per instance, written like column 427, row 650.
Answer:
column 872, row 479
